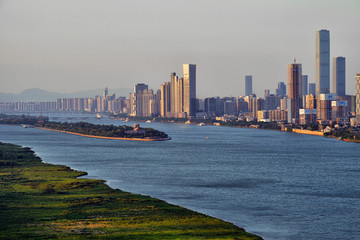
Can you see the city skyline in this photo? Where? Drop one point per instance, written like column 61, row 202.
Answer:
column 46, row 45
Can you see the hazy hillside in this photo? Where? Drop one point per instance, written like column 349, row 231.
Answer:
column 36, row 94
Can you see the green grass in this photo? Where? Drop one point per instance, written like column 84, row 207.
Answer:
column 44, row 201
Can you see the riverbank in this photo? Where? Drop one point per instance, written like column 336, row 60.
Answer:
column 45, row 201
column 111, row 138
column 308, row 132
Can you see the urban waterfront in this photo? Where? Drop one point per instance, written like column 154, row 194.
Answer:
column 275, row 184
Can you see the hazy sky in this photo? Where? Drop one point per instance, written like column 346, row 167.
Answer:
column 71, row 45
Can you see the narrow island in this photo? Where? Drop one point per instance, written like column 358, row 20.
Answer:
column 124, row 132
column 45, row 201
column 134, row 133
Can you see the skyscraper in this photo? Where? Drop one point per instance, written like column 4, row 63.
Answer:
column 294, row 90
column 322, row 60
column 266, row 92
column 281, row 90
column 338, row 81
column 179, row 97
column 106, row 92
column 304, row 85
column 248, row 85
column 137, row 100
column 358, row 99
column 312, row 88
column 173, row 78
column 189, row 71
column 165, row 105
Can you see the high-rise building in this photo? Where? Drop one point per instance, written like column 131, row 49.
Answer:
column 310, row 101
column 338, row 81
column 283, row 103
column 106, row 92
column 322, row 60
column 173, row 78
column 189, row 71
column 179, row 97
column 258, row 104
column 358, row 99
column 270, row 102
column 165, row 105
column 324, row 113
column 146, row 98
column 312, row 88
column 248, row 85
column 266, row 92
column 138, row 105
column 281, row 90
column 294, row 90
column 304, row 85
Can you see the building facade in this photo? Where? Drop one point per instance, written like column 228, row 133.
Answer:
column 248, row 85
column 322, row 62
column 281, row 90
column 338, row 77
column 357, row 99
column 295, row 90
column 189, row 71
column 312, row 88
column 304, row 85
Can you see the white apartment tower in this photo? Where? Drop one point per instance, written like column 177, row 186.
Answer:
column 189, row 71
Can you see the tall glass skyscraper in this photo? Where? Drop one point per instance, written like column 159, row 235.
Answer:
column 248, row 85
column 189, row 71
column 322, row 60
column 312, row 88
column 281, row 90
column 304, row 85
column 338, row 81
column 294, row 91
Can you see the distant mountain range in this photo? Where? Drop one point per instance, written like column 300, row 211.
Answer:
column 36, row 94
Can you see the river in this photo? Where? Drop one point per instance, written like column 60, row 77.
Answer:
column 275, row 184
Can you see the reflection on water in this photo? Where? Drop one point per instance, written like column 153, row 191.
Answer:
column 275, row 184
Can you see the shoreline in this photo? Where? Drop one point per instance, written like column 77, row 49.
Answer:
column 110, row 138
column 52, row 202
column 308, row 132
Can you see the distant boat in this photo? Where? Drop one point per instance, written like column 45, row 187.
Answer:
column 188, row 122
column 148, row 121
column 98, row 116
column 201, row 124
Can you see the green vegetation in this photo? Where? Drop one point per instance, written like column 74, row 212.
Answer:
column 262, row 125
column 104, row 130
column 345, row 133
column 44, row 201
column 85, row 128
column 21, row 119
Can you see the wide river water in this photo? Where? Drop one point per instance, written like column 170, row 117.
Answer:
column 275, row 184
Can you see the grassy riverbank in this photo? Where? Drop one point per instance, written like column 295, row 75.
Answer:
column 44, row 201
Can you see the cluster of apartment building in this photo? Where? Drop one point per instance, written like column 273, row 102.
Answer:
column 324, row 105
column 104, row 103
column 296, row 101
column 175, row 99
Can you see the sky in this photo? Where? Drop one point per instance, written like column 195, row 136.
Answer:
column 72, row 45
